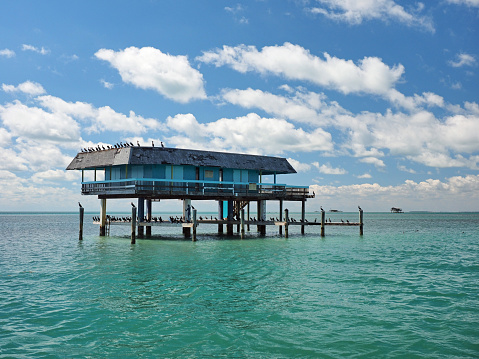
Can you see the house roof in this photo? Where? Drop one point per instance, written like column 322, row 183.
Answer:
column 176, row 156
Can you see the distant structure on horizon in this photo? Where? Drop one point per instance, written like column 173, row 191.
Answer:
column 396, row 210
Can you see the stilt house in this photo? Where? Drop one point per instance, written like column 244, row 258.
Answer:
column 155, row 173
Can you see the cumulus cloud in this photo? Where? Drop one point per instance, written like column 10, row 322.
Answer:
column 299, row 166
column 464, row 60
column 369, row 75
column 328, row 169
column 149, row 68
column 251, row 132
column 7, row 53
column 27, row 87
column 41, row 51
column 472, row 3
column 450, row 193
column 355, row 12
column 36, row 123
column 102, row 118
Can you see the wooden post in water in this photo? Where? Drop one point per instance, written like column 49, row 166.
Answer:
column 133, row 225
column 193, row 237
column 303, row 211
column 148, row 217
column 286, row 220
column 360, row 222
column 220, row 216
column 280, row 216
column 323, row 220
column 242, row 223
column 82, row 212
column 247, row 219
column 141, row 216
column 103, row 217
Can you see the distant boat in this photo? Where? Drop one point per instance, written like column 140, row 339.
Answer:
column 334, row 210
column 396, row 210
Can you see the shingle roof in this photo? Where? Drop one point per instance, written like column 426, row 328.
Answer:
column 176, row 156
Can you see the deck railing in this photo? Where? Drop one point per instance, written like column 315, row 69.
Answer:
column 162, row 187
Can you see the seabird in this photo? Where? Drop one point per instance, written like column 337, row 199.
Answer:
column 131, row 144
column 152, row 144
column 162, row 145
column 133, row 205
column 138, row 143
column 322, row 210
column 103, row 147
column 359, row 208
column 79, row 205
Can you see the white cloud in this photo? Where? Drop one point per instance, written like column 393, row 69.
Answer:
column 299, row 166
column 294, row 62
column 329, row 170
column 102, row 118
column 107, row 84
column 250, row 133
column 41, row 50
column 301, row 106
column 149, row 68
column 28, row 87
column 373, row 161
column 51, row 176
column 11, row 161
column 453, row 194
column 365, row 175
column 354, row 12
column 464, row 60
column 472, row 3
column 7, row 53
column 36, row 123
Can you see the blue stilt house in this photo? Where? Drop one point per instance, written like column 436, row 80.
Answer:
column 155, row 173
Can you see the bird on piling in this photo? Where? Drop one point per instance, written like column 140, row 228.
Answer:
column 322, row 210
column 133, row 205
column 79, row 205
column 359, row 208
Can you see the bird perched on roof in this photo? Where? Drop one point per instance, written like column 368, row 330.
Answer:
column 133, row 205
column 152, row 144
column 79, row 205
column 162, row 145
column 138, row 143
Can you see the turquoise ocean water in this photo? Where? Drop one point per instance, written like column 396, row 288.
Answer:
column 408, row 288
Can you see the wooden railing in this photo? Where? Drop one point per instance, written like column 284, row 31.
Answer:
column 161, row 187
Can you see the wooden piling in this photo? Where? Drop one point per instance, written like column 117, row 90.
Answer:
column 220, row 216
column 193, row 237
column 323, row 220
column 103, row 217
column 360, row 222
column 141, row 215
column 280, row 216
column 247, row 226
column 286, row 220
column 242, row 223
column 82, row 212
column 133, row 225
column 148, row 217
column 303, row 212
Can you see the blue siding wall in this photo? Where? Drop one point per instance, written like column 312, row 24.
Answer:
column 180, row 172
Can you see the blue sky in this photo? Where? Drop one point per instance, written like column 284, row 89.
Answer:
column 374, row 102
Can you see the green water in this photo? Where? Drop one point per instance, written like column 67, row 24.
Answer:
column 408, row 288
